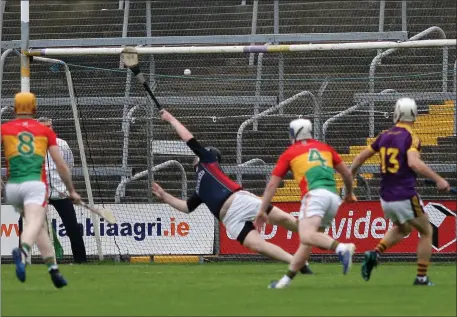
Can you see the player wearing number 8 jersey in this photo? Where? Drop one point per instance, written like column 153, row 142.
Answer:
column 313, row 165
column 25, row 142
column 399, row 151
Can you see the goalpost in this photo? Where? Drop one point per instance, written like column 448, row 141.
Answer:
column 117, row 152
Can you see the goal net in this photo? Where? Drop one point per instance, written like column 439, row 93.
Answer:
column 244, row 111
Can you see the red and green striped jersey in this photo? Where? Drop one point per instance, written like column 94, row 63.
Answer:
column 311, row 164
column 25, row 143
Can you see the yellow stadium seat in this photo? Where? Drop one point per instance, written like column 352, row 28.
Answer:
column 433, row 124
column 288, row 191
column 290, row 183
column 441, row 109
column 282, row 199
column 356, row 149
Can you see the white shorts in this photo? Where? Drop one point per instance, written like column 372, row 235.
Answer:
column 238, row 220
column 22, row 194
column 322, row 203
column 403, row 210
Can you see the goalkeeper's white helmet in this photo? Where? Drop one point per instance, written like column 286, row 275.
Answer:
column 405, row 110
column 300, row 129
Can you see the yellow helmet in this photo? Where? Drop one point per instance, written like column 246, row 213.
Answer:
column 25, row 103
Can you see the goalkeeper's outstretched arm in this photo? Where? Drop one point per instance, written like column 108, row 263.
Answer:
column 182, row 131
column 182, row 205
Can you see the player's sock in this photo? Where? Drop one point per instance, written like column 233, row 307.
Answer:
column 334, row 246
column 380, row 248
column 291, row 274
column 25, row 248
column 51, row 263
column 340, row 247
column 286, row 279
column 422, row 268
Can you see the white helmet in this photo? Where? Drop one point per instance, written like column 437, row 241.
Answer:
column 405, row 110
column 300, row 129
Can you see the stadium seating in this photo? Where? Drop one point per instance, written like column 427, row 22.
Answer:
column 56, row 19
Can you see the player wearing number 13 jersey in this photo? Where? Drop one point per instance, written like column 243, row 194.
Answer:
column 399, row 151
column 25, row 143
column 313, row 166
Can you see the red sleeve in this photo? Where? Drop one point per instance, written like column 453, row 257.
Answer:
column 282, row 166
column 336, row 158
column 52, row 138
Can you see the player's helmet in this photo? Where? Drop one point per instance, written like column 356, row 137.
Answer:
column 25, row 103
column 215, row 151
column 405, row 110
column 300, row 129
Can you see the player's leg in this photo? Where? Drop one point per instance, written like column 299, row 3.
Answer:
column 399, row 212
column 47, row 252
column 310, row 234
column 254, row 242
column 239, row 224
column 276, row 216
column 316, row 213
column 424, row 248
column 281, row 218
column 34, row 217
column 391, row 238
column 32, row 195
column 302, row 254
column 300, row 259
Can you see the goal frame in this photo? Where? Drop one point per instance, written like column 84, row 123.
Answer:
column 46, row 54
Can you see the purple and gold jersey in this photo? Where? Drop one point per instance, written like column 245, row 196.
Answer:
column 398, row 180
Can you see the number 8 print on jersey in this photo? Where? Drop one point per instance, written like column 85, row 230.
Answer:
column 25, row 143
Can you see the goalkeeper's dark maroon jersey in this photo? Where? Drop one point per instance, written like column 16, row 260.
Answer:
column 213, row 186
column 398, row 180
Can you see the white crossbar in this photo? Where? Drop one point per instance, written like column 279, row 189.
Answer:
column 242, row 49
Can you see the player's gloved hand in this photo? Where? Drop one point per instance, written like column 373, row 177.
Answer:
column 350, row 198
column 158, row 191
column 166, row 116
column 75, row 198
column 260, row 220
column 443, row 185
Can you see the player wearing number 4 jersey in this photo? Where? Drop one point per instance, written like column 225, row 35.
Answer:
column 25, row 143
column 226, row 200
column 399, row 149
column 313, row 165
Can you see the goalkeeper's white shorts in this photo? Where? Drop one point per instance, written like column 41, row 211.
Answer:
column 322, row 203
column 403, row 210
column 23, row 194
column 238, row 220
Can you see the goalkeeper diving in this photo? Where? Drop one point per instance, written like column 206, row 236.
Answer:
column 226, row 200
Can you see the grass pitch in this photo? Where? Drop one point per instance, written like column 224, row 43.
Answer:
column 227, row 290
